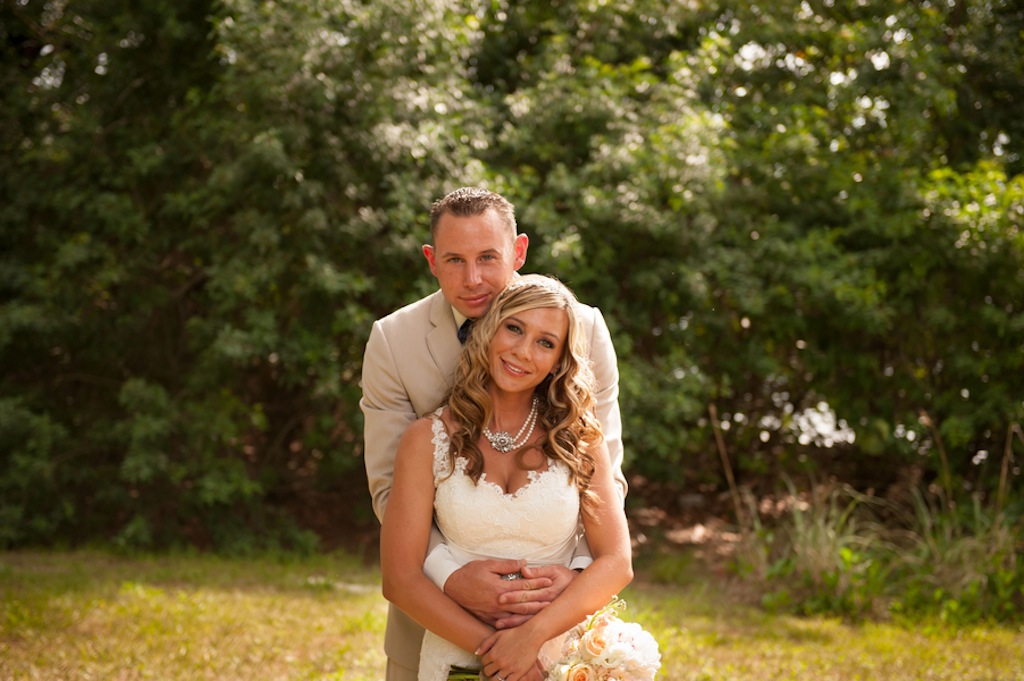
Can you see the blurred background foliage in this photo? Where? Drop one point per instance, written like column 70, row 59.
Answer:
column 802, row 221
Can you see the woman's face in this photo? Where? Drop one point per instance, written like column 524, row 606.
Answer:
column 527, row 346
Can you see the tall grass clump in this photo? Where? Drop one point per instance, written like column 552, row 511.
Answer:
column 961, row 563
column 833, row 550
column 820, row 552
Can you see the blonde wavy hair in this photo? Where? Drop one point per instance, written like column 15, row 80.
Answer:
column 566, row 397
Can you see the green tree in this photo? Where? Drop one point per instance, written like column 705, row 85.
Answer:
column 801, row 219
column 855, row 286
column 209, row 203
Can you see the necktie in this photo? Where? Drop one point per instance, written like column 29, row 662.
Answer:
column 464, row 330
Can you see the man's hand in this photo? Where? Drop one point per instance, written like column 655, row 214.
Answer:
column 529, row 592
column 479, row 588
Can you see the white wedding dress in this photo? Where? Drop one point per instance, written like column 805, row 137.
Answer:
column 538, row 523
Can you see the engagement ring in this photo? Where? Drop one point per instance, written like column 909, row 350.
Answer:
column 512, row 576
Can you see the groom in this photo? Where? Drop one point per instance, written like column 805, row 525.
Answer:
column 411, row 354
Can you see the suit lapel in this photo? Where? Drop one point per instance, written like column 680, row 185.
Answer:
column 442, row 341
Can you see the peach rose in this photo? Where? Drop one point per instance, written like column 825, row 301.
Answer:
column 593, row 644
column 581, row 672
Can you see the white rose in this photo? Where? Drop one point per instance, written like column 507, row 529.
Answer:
column 616, row 654
column 559, row 672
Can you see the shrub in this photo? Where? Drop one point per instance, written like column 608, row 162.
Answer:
column 826, row 552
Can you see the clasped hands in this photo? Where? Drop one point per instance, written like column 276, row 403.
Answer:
column 479, row 587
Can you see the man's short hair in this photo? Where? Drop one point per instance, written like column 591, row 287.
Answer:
column 469, row 201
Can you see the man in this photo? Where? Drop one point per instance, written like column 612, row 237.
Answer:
column 407, row 367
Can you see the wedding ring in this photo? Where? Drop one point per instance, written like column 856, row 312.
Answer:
column 512, row 576
column 500, row 677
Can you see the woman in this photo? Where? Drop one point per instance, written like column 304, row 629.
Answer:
column 502, row 495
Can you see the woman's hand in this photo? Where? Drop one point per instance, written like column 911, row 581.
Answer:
column 538, row 587
column 511, row 655
column 479, row 588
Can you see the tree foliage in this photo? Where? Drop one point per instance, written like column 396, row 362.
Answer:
column 802, row 220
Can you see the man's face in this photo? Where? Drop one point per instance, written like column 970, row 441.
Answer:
column 473, row 259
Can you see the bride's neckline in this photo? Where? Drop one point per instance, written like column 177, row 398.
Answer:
column 532, row 476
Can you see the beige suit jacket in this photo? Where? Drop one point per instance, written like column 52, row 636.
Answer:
column 407, row 369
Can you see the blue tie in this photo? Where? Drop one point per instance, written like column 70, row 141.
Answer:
column 464, row 330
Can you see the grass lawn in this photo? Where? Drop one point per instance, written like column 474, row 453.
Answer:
column 88, row 615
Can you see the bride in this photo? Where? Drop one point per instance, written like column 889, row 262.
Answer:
column 508, row 467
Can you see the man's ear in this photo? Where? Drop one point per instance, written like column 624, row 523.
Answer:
column 428, row 253
column 519, row 249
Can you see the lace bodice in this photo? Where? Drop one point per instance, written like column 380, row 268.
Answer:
column 538, row 523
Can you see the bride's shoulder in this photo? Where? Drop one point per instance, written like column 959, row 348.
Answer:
column 419, row 432
column 427, row 428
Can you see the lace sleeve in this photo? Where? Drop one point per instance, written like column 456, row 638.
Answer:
column 442, row 465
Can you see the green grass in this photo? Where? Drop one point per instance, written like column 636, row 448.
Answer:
column 90, row 615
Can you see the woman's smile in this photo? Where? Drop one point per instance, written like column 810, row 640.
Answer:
column 513, row 369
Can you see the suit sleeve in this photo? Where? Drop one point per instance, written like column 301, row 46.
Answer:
column 387, row 412
column 606, row 374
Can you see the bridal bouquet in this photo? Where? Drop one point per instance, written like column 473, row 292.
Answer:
column 603, row 648
column 600, row 648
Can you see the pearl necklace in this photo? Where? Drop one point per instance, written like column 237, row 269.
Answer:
column 504, row 442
